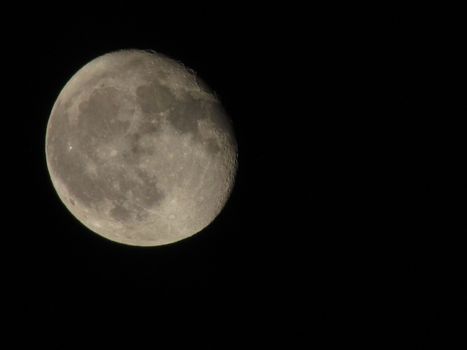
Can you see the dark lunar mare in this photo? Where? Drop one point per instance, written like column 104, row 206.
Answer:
column 97, row 124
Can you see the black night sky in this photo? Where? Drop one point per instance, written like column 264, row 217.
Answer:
column 341, row 222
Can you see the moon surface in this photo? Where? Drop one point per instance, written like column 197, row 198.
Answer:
column 140, row 150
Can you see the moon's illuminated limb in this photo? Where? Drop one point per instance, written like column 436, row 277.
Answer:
column 139, row 150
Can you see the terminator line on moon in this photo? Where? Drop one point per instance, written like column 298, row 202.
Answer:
column 140, row 150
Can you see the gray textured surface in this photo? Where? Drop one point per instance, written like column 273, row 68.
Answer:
column 139, row 150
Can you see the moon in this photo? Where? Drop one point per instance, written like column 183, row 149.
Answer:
column 140, row 150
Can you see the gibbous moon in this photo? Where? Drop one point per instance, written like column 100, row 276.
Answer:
column 140, row 150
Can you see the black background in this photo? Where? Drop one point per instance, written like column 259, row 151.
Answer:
column 342, row 222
